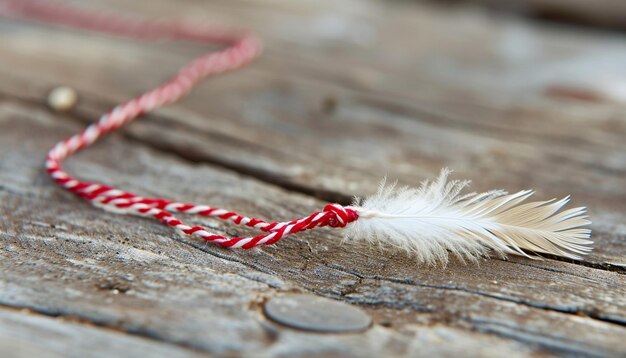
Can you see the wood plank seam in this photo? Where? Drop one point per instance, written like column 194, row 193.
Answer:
column 119, row 328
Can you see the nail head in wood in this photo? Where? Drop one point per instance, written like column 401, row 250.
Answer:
column 312, row 313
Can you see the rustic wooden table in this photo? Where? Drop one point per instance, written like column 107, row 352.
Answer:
column 346, row 92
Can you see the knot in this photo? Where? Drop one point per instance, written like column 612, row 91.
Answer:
column 339, row 216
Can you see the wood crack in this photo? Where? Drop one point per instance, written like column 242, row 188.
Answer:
column 101, row 324
column 204, row 248
column 242, row 169
column 558, row 345
column 604, row 266
column 591, row 313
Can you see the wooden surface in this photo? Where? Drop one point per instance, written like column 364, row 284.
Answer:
column 346, row 93
column 598, row 13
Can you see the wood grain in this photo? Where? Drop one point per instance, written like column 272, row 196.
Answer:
column 291, row 130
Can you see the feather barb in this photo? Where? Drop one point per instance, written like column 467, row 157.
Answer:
column 435, row 219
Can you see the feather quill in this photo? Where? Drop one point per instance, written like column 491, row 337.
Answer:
column 436, row 219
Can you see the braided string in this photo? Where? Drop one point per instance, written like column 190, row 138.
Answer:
column 241, row 49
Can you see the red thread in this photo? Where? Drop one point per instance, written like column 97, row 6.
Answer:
column 241, row 50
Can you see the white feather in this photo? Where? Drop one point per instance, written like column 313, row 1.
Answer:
column 435, row 219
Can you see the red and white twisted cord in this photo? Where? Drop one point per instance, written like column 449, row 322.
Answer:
column 241, row 50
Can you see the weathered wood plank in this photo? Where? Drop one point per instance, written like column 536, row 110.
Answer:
column 297, row 121
column 63, row 257
column 293, row 120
